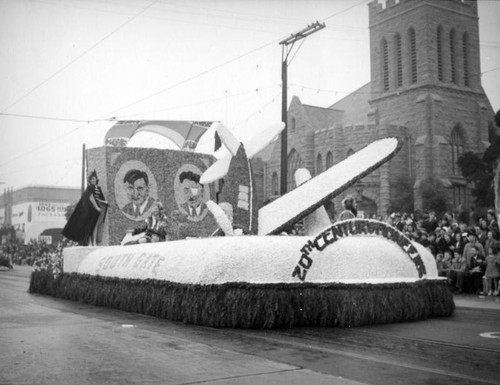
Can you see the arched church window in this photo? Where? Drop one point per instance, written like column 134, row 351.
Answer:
column 292, row 128
column 350, row 152
column 439, row 37
column 294, row 163
column 457, row 149
column 275, row 184
column 465, row 47
column 399, row 60
column 319, row 164
column 413, row 55
column 329, row 160
column 453, row 57
column 459, row 196
column 385, row 64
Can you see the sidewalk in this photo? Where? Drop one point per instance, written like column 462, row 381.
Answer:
column 477, row 301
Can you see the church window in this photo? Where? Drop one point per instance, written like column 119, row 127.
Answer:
column 385, row 64
column 413, row 55
column 459, row 196
column 457, row 149
column 329, row 160
column 440, row 53
column 350, row 152
column 294, row 163
column 293, row 124
column 465, row 46
column 453, row 64
column 399, row 61
column 274, row 184
column 319, row 164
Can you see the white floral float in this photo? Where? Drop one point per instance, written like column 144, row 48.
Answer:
column 344, row 274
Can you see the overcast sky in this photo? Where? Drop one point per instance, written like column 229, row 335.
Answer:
column 69, row 66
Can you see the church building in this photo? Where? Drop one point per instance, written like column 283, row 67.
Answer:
column 425, row 88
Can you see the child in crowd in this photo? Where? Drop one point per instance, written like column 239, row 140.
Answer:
column 443, row 262
column 457, row 272
column 492, row 272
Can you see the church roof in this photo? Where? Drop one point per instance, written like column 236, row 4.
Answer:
column 321, row 117
column 265, row 153
column 355, row 105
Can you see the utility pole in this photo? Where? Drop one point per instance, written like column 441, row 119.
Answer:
column 287, row 46
column 83, row 168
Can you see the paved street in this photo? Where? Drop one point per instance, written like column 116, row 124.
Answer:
column 44, row 340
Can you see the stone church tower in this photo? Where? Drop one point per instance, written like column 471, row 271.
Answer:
column 425, row 75
column 425, row 88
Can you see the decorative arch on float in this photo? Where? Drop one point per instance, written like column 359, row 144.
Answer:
column 185, row 134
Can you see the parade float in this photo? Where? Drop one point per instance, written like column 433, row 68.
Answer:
column 255, row 275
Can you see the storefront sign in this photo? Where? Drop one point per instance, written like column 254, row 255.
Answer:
column 49, row 209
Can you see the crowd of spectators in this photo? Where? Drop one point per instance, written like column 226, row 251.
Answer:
column 466, row 249
column 467, row 253
column 18, row 253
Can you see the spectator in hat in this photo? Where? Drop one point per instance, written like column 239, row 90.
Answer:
column 350, row 211
column 473, row 243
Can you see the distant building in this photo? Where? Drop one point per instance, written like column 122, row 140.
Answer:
column 31, row 210
column 425, row 88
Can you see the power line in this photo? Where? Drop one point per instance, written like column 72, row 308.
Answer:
column 258, row 111
column 491, row 70
column 80, row 56
column 345, row 10
column 46, row 118
column 253, row 90
column 168, row 88
column 220, row 65
column 42, row 145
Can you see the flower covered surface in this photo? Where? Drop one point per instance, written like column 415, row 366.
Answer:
column 252, row 259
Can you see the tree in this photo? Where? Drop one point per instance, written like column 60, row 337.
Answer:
column 492, row 155
column 484, row 171
column 434, row 196
column 402, row 201
column 476, row 171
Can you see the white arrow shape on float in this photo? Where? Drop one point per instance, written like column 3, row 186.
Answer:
column 220, row 168
column 309, row 196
